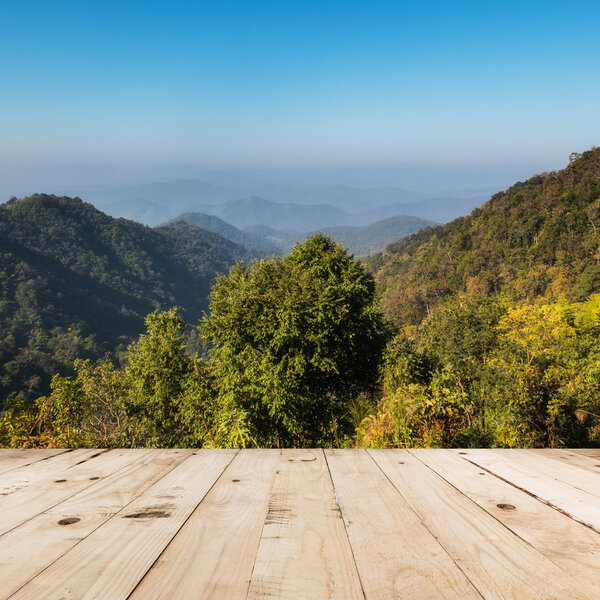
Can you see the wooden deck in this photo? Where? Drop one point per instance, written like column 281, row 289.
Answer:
column 347, row 524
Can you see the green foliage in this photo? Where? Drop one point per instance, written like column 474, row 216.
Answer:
column 294, row 340
column 500, row 324
column 538, row 238
column 161, row 397
column 497, row 320
column 479, row 372
column 75, row 283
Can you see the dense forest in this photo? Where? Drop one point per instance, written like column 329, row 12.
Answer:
column 482, row 332
column 75, row 283
column 537, row 239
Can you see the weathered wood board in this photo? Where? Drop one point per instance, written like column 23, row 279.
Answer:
column 300, row 524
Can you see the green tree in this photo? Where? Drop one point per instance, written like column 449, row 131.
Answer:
column 157, row 370
column 294, row 340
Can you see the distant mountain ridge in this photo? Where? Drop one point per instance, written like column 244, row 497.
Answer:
column 369, row 239
column 261, row 240
column 160, row 202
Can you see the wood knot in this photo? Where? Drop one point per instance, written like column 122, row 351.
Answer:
column 59, row 480
column 505, row 506
column 69, row 521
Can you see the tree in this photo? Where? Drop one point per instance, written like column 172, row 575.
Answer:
column 158, row 368
column 293, row 340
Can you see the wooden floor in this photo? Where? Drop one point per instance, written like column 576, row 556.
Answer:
column 183, row 524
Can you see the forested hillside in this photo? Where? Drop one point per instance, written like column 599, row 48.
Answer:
column 256, row 245
column 497, row 320
column 484, row 332
column 538, row 238
column 77, row 283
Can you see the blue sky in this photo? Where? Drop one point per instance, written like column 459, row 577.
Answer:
column 230, row 83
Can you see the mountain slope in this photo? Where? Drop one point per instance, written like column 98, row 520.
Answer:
column 256, row 245
column 366, row 240
column 76, row 282
column 538, row 238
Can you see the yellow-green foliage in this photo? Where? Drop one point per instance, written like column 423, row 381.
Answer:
column 482, row 372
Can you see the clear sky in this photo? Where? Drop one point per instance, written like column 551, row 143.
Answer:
column 242, row 83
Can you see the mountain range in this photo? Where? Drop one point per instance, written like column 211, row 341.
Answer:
column 282, row 206
column 76, row 283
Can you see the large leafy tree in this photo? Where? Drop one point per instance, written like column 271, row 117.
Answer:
column 295, row 339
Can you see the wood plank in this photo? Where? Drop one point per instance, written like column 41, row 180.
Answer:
column 570, row 545
column 32, row 547
column 304, row 549
column 575, row 459
column 13, row 459
column 111, row 561
column 575, row 476
column 496, row 561
column 579, row 505
column 591, row 452
column 396, row 556
column 31, row 490
column 212, row 555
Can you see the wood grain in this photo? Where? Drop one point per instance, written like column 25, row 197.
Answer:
column 572, row 458
column 304, row 550
column 570, row 545
column 396, row 556
column 222, row 524
column 28, row 491
column 579, row 505
column 212, row 555
column 590, row 452
column 13, row 459
column 30, row 548
column 110, row 562
column 543, row 464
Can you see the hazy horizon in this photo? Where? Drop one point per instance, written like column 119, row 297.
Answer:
column 112, row 93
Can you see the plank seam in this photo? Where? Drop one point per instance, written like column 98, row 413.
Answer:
column 498, row 520
column 427, row 528
column 549, row 460
column 539, row 498
column 87, row 487
column 337, row 502
column 184, row 522
column 41, row 459
column 133, row 462
column 262, row 529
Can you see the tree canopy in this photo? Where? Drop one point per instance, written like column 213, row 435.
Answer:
column 294, row 340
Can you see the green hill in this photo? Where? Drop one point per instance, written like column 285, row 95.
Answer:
column 540, row 237
column 255, row 245
column 75, row 282
column 369, row 239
